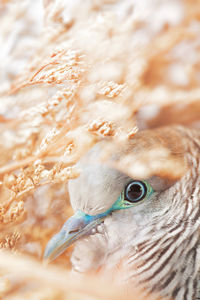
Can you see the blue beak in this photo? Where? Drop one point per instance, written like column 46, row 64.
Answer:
column 74, row 228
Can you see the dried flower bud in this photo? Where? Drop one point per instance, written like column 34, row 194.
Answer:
column 103, row 128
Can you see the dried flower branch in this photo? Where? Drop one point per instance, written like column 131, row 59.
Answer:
column 68, row 81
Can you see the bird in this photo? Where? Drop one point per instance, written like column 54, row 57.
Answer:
column 138, row 213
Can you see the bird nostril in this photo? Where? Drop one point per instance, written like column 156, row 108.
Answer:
column 74, row 225
column 73, row 231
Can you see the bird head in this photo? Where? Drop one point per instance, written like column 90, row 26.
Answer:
column 127, row 195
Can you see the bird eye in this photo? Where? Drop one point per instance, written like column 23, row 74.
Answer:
column 135, row 191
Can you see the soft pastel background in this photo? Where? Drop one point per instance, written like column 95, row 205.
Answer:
column 73, row 72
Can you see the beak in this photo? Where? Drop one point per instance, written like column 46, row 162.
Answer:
column 74, row 228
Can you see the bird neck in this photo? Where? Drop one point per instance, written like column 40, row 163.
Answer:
column 167, row 261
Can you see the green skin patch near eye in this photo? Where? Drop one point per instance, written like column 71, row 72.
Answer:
column 122, row 203
column 81, row 224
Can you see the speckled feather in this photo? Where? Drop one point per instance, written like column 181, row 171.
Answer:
column 156, row 243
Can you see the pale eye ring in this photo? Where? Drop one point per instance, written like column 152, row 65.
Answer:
column 135, row 191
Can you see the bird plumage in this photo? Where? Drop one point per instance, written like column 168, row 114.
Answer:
column 154, row 244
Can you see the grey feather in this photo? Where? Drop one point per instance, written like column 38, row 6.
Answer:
column 155, row 243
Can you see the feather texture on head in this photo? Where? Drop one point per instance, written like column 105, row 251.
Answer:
column 148, row 224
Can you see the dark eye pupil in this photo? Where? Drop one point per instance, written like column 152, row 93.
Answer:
column 135, row 191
